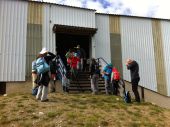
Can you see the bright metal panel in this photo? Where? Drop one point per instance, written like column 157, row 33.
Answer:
column 137, row 43
column 166, row 46
column 72, row 16
column 48, row 38
column 102, row 38
column 13, row 24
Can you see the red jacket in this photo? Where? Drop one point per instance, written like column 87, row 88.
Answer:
column 74, row 61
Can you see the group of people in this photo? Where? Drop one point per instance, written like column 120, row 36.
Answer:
column 75, row 59
column 112, row 77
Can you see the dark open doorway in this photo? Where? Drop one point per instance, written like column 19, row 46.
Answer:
column 66, row 41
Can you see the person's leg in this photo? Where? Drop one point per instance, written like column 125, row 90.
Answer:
column 92, row 84
column 113, row 90
column 116, row 87
column 136, row 93
column 44, row 93
column 106, row 86
column 34, row 76
column 96, row 83
column 39, row 93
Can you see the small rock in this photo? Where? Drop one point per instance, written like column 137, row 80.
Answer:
column 5, row 95
column 117, row 99
column 41, row 113
column 153, row 103
column 33, row 113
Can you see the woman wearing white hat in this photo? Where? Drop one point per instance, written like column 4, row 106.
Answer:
column 43, row 76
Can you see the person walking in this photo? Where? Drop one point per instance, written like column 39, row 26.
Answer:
column 82, row 55
column 133, row 66
column 107, row 76
column 43, row 79
column 94, row 76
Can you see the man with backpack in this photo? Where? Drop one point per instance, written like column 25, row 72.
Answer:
column 133, row 66
column 107, row 76
column 115, row 77
column 43, row 68
column 94, row 75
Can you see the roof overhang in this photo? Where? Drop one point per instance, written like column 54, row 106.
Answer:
column 57, row 28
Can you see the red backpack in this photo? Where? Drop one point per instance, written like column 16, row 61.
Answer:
column 116, row 75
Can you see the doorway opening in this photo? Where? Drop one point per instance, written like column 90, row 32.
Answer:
column 66, row 41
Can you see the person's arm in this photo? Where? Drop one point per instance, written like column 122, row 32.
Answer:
column 49, row 57
column 112, row 76
column 130, row 65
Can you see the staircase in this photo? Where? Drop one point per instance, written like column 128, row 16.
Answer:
column 83, row 83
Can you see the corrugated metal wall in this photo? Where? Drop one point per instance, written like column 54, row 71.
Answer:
column 54, row 14
column 34, row 34
column 137, row 43
column 13, row 24
column 72, row 16
column 102, row 38
column 166, row 45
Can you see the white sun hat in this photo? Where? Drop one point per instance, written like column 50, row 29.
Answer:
column 44, row 50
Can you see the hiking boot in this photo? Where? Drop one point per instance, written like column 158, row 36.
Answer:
column 46, row 100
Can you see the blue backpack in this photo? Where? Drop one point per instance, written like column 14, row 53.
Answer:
column 34, row 68
column 127, row 97
column 42, row 66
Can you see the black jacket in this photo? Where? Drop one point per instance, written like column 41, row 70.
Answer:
column 134, row 70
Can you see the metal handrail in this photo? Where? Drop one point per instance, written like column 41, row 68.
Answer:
column 102, row 59
column 62, row 67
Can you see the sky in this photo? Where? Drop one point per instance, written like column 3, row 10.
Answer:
column 141, row 8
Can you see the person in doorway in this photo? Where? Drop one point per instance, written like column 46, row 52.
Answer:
column 94, row 76
column 43, row 79
column 74, row 60
column 82, row 55
column 133, row 66
column 107, row 76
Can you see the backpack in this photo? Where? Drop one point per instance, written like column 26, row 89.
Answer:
column 34, row 68
column 35, row 91
column 116, row 75
column 127, row 97
column 42, row 66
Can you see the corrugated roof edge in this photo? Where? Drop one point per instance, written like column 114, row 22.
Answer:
column 131, row 16
column 97, row 12
column 60, row 5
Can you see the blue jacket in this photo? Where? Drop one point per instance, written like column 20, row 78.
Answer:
column 107, row 69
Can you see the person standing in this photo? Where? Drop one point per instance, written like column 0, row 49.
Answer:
column 115, row 77
column 107, row 76
column 82, row 55
column 43, row 79
column 133, row 66
column 94, row 76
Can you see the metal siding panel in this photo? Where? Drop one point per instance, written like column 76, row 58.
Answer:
column 72, row 16
column 102, row 38
column 137, row 43
column 48, row 39
column 13, row 40
column 34, row 13
column 159, row 57
column 166, row 45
